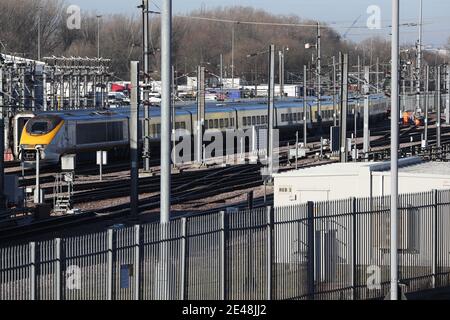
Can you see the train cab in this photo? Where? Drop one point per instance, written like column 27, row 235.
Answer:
column 39, row 131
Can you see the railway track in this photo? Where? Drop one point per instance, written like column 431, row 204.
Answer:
column 186, row 187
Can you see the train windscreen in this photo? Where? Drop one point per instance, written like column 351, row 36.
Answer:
column 42, row 125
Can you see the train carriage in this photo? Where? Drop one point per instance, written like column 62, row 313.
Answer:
column 83, row 131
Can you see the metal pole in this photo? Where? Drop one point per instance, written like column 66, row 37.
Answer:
column 146, row 35
column 334, row 93
column 378, row 75
column 166, row 50
column 319, row 70
column 271, row 94
column 200, row 112
column 98, row 36
column 232, row 57
column 134, row 139
column 44, row 90
column 280, row 71
column 305, row 112
column 427, row 91
column 419, row 59
column 85, row 88
column 344, row 105
column 221, row 75
column 174, row 118
column 296, row 150
column 439, row 107
column 394, row 146
column 359, row 75
column 101, row 166
column 164, row 281
column 366, row 110
column 37, row 191
column 2, row 142
column 447, row 109
column 39, row 34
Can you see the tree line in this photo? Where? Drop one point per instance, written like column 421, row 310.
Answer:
column 195, row 41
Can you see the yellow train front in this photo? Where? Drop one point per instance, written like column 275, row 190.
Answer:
column 78, row 132
column 43, row 132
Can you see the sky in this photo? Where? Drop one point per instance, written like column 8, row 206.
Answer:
column 340, row 14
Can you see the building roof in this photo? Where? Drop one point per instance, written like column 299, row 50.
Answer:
column 412, row 165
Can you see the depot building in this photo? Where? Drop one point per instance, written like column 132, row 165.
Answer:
column 363, row 179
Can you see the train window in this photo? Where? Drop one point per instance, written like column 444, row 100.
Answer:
column 216, row 123
column 115, row 131
column 39, row 127
column 232, row 122
column 104, row 132
column 226, row 123
column 283, row 117
column 158, row 128
column 244, row 121
column 258, row 119
column 221, row 123
column 253, row 120
column 206, row 124
column 295, row 116
column 211, row 124
column 42, row 125
column 153, row 129
column 249, row 121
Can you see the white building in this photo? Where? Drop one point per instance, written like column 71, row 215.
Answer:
column 364, row 179
column 333, row 231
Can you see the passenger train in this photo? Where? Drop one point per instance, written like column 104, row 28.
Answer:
column 86, row 131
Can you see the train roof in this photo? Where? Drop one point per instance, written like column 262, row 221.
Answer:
column 191, row 108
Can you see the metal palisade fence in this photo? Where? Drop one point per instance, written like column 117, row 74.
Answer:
column 326, row 250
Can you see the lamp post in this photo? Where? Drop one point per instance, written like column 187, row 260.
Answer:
column 317, row 45
column 39, row 33
column 98, row 35
column 394, row 147
column 281, row 55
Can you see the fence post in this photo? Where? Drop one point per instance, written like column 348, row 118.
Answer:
column 223, row 240
column 110, row 265
column 58, row 269
column 354, row 242
column 32, row 248
column 183, row 259
column 435, row 239
column 311, row 255
column 269, row 213
column 137, row 229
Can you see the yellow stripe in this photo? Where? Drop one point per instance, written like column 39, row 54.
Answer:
column 43, row 139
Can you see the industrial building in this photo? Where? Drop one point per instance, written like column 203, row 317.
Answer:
column 346, row 180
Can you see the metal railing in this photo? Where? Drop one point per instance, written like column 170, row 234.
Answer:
column 325, row 250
